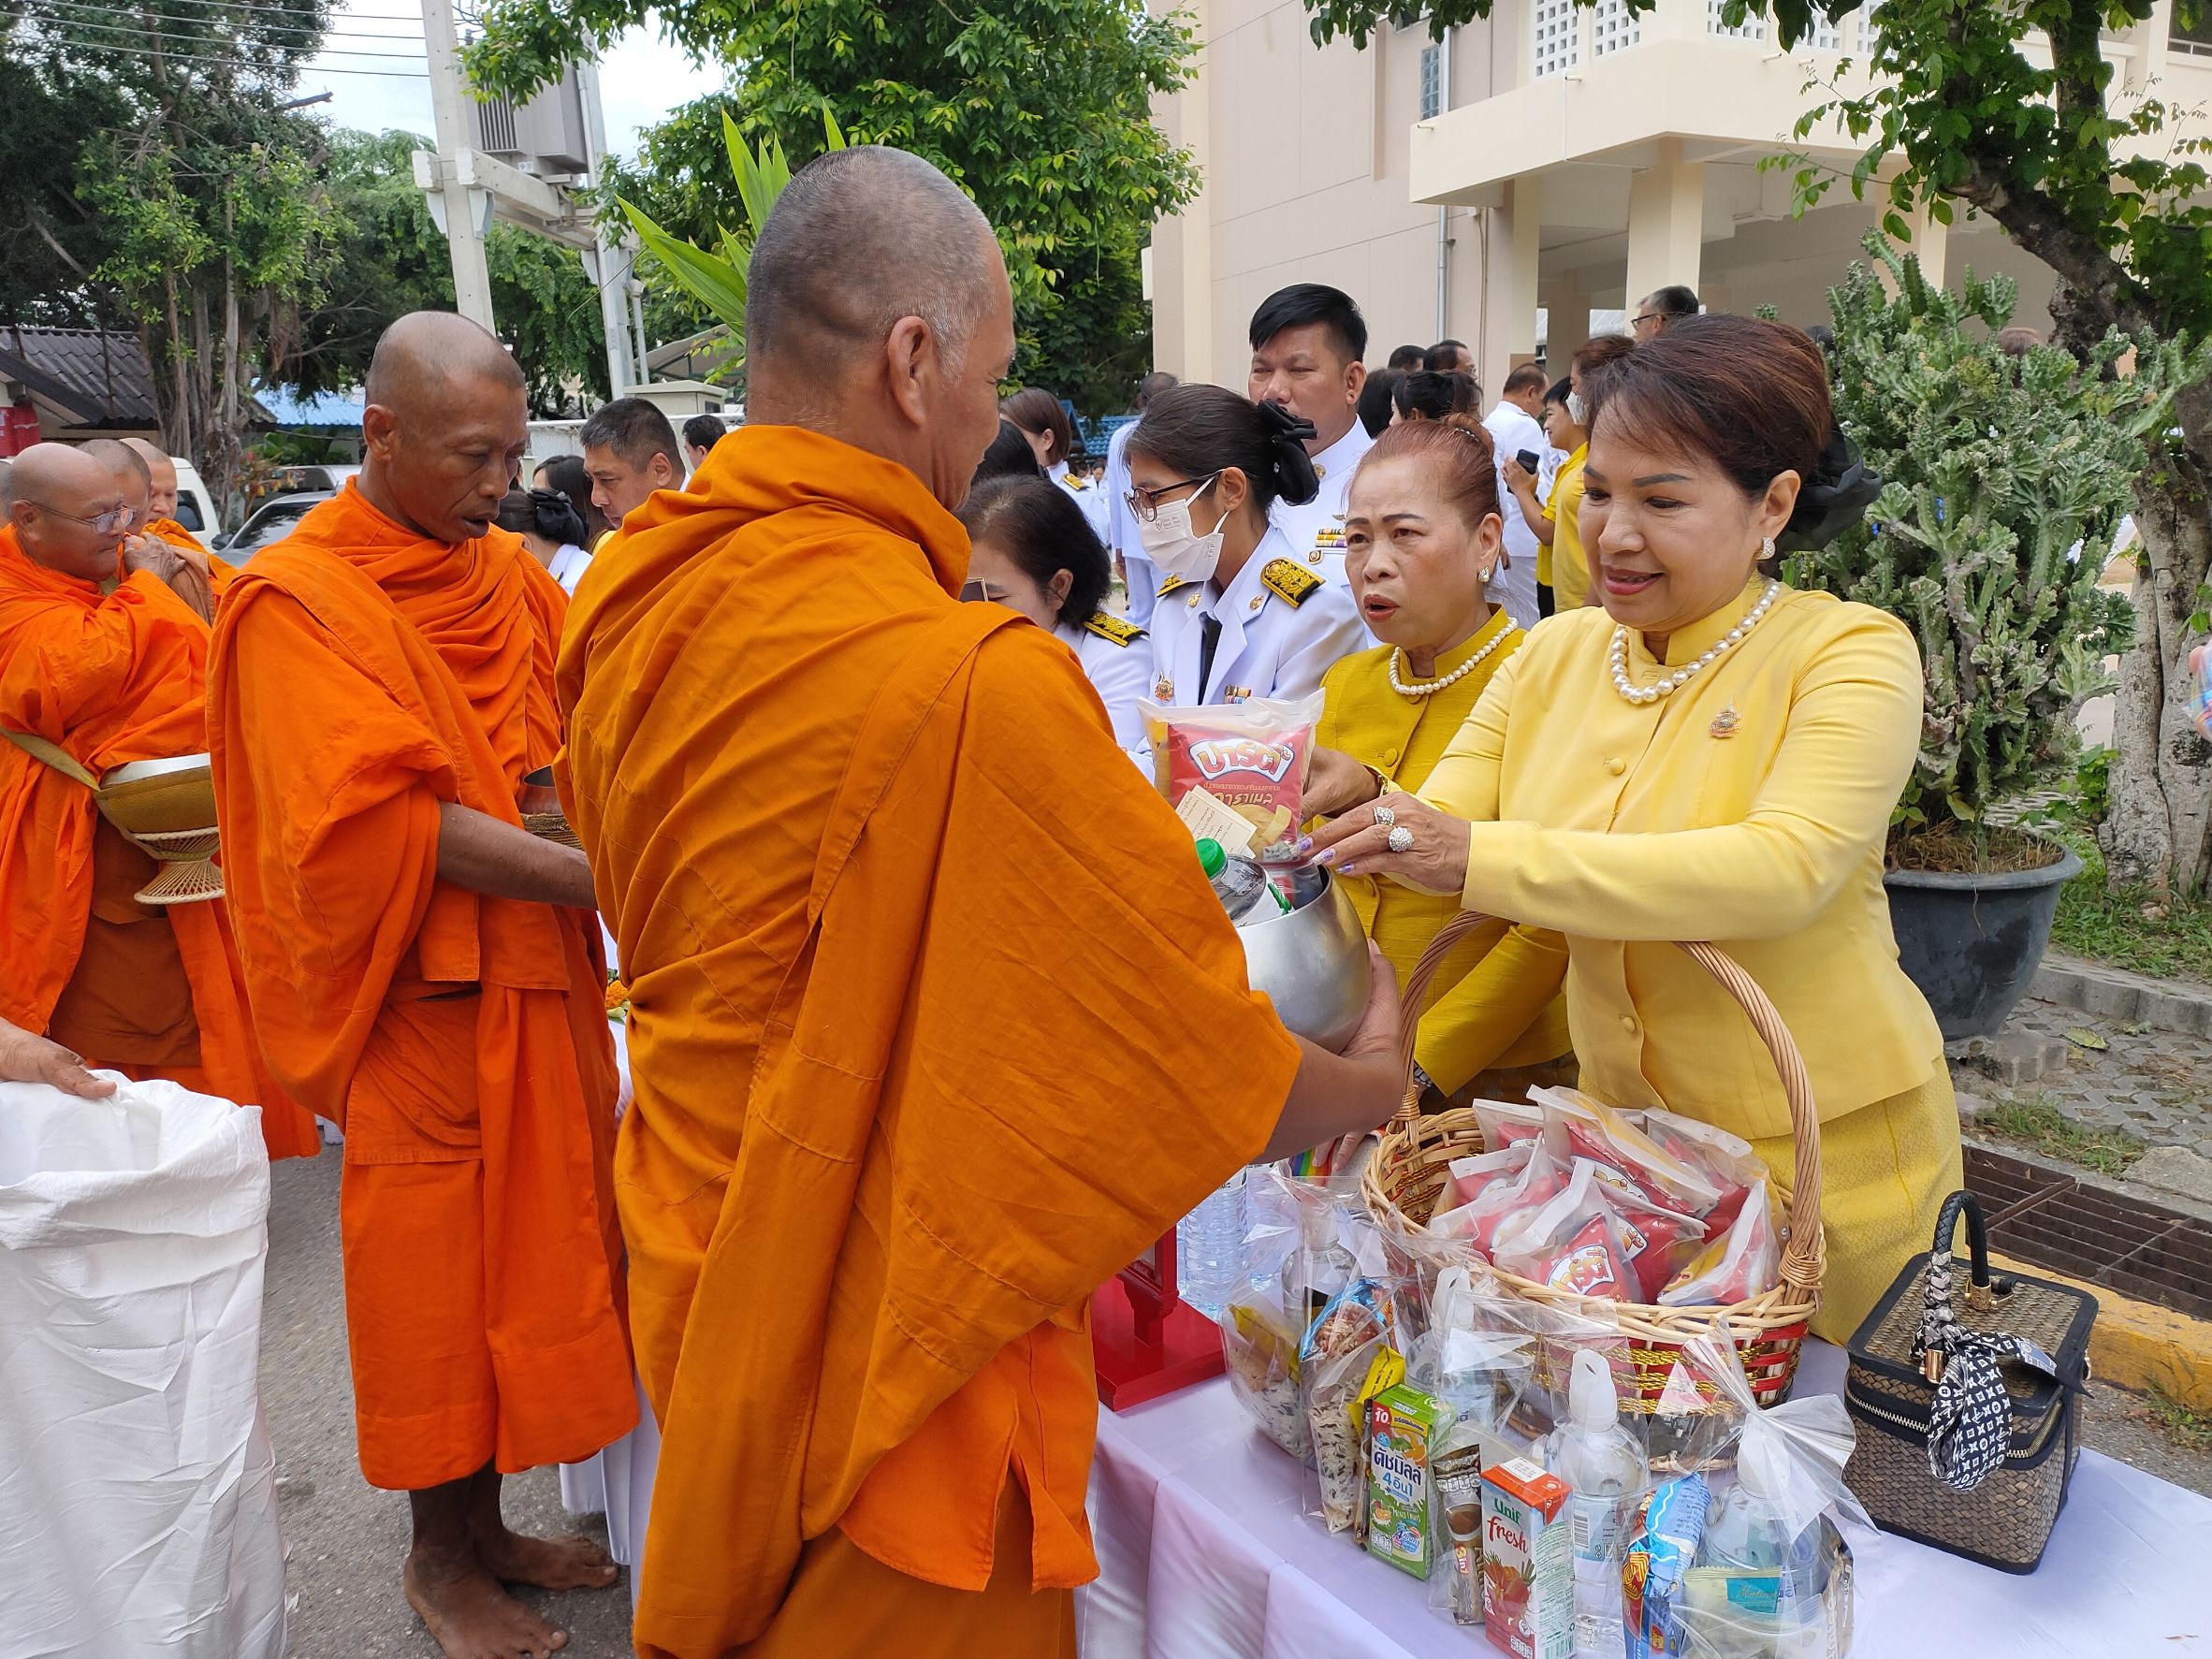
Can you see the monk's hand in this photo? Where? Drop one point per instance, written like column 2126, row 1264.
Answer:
column 158, row 559
column 489, row 856
column 1430, row 854
column 1336, row 783
column 25, row 1058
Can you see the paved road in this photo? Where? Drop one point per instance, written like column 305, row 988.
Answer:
column 346, row 1539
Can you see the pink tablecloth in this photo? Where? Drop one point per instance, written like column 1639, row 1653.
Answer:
column 1205, row 1555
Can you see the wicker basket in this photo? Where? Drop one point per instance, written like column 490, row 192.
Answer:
column 1408, row 1171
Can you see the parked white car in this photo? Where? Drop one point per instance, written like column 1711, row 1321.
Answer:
column 195, row 504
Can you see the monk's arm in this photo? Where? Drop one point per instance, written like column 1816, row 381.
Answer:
column 1350, row 1093
column 479, row 853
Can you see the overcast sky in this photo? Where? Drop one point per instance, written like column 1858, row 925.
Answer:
column 641, row 78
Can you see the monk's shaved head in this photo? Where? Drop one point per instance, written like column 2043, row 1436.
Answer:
column 163, row 472
column 877, row 311
column 446, row 421
column 128, row 468
column 56, row 491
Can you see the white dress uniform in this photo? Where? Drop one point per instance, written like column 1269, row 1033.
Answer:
column 568, row 567
column 1122, row 539
column 1116, row 658
column 1511, row 430
column 1316, row 529
column 1283, row 626
column 1088, row 496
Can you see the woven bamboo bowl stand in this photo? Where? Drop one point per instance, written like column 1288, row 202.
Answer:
column 1410, row 1168
column 167, row 810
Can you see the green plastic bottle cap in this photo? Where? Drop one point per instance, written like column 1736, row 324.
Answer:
column 1211, row 858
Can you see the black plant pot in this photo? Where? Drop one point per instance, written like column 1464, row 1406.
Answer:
column 1972, row 942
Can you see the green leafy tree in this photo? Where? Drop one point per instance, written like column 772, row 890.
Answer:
column 1041, row 108
column 2011, row 109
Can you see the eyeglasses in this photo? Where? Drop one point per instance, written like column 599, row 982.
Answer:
column 106, row 523
column 977, row 590
column 1146, row 504
column 1650, row 316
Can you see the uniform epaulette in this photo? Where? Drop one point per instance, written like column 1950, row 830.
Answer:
column 1112, row 628
column 1072, row 482
column 1288, row 581
column 1170, row 586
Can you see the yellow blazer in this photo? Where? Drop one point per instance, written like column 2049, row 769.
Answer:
column 1750, row 808
column 1571, row 561
column 1499, row 1001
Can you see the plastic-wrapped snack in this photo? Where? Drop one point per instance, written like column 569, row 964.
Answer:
column 1662, row 1543
column 1573, row 1242
column 1343, row 1365
column 1501, row 1205
column 1470, row 1175
column 1728, row 1159
column 1660, row 1241
column 1504, row 1121
column 1252, row 757
column 1262, row 1357
column 1577, row 1125
column 1736, row 1265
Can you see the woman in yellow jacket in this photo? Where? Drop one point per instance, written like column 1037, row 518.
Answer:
column 1421, row 538
column 1710, row 756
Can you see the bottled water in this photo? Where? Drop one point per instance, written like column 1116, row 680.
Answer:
column 1599, row 1458
column 1210, row 1248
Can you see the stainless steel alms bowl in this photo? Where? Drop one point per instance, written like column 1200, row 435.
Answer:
column 1312, row 961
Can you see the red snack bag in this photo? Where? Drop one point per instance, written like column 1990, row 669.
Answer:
column 1504, row 1202
column 1470, row 1175
column 1728, row 1159
column 1573, row 1242
column 1505, row 1122
column 1658, row 1241
column 1251, row 756
column 1575, row 1126
column 1736, row 1265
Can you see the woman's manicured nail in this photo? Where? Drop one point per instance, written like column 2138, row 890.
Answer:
column 1329, row 856
column 1305, row 843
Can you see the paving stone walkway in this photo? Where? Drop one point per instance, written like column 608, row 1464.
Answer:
column 2155, row 1085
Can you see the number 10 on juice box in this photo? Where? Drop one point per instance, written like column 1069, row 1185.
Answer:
column 1528, row 1580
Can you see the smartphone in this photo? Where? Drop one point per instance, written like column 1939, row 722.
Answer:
column 1529, row 464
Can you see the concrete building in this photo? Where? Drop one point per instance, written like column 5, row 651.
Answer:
column 1550, row 158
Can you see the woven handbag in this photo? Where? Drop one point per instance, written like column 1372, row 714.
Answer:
column 1966, row 1407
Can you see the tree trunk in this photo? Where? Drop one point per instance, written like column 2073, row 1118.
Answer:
column 2158, row 832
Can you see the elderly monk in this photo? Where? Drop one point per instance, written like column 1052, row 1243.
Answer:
column 134, row 476
column 888, row 905
column 103, row 660
column 426, row 971
column 162, row 521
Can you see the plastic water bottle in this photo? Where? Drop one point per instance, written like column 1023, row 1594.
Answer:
column 1210, row 1248
column 1601, row 1462
column 1240, row 883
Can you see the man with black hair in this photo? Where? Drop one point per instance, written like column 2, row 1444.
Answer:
column 702, row 432
column 1449, row 357
column 1662, row 308
column 1308, row 343
column 1406, row 357
column 1140, row 578
column 1514, row 426
column 630, row 450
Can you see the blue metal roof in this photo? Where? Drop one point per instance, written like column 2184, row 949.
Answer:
column 288, row 408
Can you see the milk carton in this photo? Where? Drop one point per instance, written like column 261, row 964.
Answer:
column 1528, row 1580
column 1401, row 1428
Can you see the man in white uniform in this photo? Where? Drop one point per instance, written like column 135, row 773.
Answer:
column 1308, row 343
column 1515, row 426
column 1121, row 524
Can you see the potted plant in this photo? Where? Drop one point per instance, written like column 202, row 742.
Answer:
column 2005, row 480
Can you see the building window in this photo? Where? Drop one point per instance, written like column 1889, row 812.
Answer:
column 1558, row 37
column 1828, row 34
column 1752, row 28
column 2192, row 39
column 1613, row 27
column 1432, row 82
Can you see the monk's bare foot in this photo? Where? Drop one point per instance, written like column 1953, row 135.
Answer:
column 545, row 1563
column 468, row 1612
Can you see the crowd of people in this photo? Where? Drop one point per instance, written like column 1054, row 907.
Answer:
column 889, row 901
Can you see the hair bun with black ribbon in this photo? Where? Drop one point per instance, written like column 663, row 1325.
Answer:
column 558, row 519
column 1834, row 499
column 1289, row 433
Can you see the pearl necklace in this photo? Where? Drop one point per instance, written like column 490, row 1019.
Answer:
column 1670, row 683
column 1430, row 687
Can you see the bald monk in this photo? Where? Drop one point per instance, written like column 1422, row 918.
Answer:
column 887, row 905
column 426, row 971
column 103, row 656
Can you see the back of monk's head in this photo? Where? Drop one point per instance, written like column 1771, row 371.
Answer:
column 445, row 424
column 878, row 311
column 67, row 512
column 130, row 473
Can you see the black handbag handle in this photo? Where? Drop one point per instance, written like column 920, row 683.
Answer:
column 1977, row 1235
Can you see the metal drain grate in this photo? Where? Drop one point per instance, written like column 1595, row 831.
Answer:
column 2093, row 1234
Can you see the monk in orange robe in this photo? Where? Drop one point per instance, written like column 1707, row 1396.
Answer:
column 103, row 657
column 427, row 972
column 935, row 1022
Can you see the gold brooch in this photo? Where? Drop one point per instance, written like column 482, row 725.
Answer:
column 1724, row 723
column 1163, row 689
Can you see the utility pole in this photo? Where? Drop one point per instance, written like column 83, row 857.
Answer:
column 466, row 208
column 607, row 262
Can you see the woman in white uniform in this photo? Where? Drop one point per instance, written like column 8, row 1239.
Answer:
column 1238, row 613
column 1031, row 550
column 551, row 529
column 1043, row 420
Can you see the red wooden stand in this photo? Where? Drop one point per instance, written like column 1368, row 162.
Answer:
column 1148, row 1340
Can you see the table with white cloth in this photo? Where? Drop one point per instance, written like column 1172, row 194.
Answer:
column 1205, row 1550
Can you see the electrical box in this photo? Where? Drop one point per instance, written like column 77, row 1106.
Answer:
column 544, row 137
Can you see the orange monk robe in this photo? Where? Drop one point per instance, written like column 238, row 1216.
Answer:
column 151, row 992
column 362, row 675
column 935, row 1025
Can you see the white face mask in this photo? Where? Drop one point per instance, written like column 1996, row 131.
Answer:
column 1578, row 411
column 1175, row 548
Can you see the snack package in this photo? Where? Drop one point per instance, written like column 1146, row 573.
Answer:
column 1735, row 1265
column 1735, row 1612
column 1574, row 1241
column 1470, row 1175
column 1456, row 1468
column 1577, row 1125
column 1251, row 757
column 1528, row 1580
column 1660, row 1241
column 1348, row 1358
column 1502, row 1205
column 1402, row 1427
column 1662, row 1543
column 1729, row 1159
column 1504, row 1121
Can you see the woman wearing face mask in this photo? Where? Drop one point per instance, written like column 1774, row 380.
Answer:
column 1031, row 549
column 1238, row 615
column 1422, row 541
column 1712, row 756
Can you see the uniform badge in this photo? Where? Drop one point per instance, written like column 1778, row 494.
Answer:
column 1724, row 723
column 1113, row 629
column 1163, row 689
column 1287, row 581
column 1235, row 693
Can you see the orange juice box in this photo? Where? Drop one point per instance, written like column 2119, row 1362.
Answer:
column 1528, row 1580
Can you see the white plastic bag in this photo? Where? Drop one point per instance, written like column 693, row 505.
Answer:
column 138, row 1488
